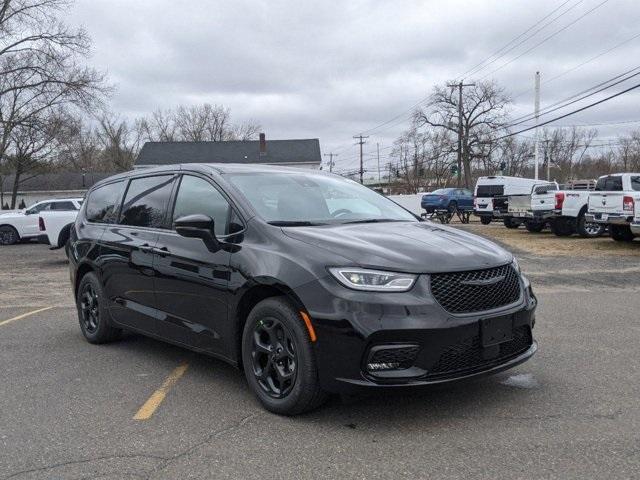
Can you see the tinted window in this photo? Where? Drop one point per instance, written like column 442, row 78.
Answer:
column 146, row 201
column 609, row 184
column 103, row 202
column 490, row 190
column 40, row 207
column 196, row 195
column 63, row 206
column 635, row 183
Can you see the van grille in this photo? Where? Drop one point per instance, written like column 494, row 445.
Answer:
column 476, row 291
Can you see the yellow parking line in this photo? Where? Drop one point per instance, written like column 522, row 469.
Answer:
column 24, row 315
column 151, row 405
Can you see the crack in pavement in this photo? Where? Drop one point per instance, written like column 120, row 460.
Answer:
column 214, row 435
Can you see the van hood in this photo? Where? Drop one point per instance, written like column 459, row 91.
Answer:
column 420, row 247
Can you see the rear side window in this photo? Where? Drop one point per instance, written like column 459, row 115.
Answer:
column 63, row 206
column 635, row 184
column 146, row 201
column 609, row 184
column 545, row 189
column 103, row 202
column 490, row 190
column 196, row 195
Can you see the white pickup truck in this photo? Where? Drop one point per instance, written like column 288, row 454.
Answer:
column 55, row 227
column 23, row 224
column 635, row 226
column 562, row 207
column 615, row 203
column 491, row 198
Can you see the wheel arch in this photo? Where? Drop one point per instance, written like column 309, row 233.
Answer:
column 81, row 271
column 260, row 289
column 64, row 234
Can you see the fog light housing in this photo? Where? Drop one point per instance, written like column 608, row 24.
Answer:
column 383, row 358
column 377, row 367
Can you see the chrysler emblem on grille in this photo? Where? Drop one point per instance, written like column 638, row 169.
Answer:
column 483, row 282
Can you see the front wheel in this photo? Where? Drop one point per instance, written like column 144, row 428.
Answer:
column 534, row 227
column 485, row 220
column 278, row 359
column 8, row 235
column 621, row 233
column 561, row 227
column 510, row 222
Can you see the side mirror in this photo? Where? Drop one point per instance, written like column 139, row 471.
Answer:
column 198, row 226
column 29, row 212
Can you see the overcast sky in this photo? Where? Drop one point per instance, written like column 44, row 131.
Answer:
column 331, row 70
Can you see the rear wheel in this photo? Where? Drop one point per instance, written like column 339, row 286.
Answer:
column 8, row 235
column 510, row 222
column 485, row 220
column 562, row 227
column 588, row 229
column 534, row 227
column 278, row 359
column 621, row 233
column 92, row 311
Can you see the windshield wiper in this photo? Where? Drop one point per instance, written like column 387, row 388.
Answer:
column 294, row 223
column 375, row 220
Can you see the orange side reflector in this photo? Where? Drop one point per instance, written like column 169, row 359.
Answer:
column 307, row 322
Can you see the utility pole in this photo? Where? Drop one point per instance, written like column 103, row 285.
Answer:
column 547, row 159
column 537, row 113
column 378, row 150
column 460, row 86
column 331, row 162
column 361, row 142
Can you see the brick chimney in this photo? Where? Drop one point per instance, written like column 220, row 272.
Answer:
column 263, row 144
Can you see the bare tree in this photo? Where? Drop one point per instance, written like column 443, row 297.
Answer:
column 484, row 113
column 119, row 142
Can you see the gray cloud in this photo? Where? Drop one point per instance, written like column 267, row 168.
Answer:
column 333, row 69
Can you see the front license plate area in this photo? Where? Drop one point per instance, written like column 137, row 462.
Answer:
column 496, row 330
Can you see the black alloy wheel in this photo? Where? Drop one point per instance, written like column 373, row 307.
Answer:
column 89, row 309
column 93, row 313
column 8, row 235
column 274, row 357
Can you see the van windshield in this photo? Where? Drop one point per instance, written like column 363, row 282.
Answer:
column 292, row 199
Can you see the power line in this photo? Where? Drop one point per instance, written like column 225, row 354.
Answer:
column 547, row 110
column 571, row 113
column 576, row 67
column 549, row 37
column 501, row 52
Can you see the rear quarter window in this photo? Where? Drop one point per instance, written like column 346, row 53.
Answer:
column 609, row 184
column 635, row 184
column 103, row 203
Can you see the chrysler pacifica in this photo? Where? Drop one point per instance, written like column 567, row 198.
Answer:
column 309, row 282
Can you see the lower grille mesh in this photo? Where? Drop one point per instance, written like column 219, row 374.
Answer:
column 468, row 354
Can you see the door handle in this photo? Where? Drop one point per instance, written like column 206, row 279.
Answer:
column 146, row 248
column 162, row 251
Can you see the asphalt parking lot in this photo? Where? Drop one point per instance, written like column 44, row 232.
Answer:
column 142, row 409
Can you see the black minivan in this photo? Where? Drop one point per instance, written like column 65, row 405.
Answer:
column 309, row 282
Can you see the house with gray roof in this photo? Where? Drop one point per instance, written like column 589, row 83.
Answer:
column 303, row 153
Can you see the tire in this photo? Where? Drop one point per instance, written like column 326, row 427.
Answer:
column 510, row 222
column 453, row 207
column 93, row 314
column 561, row 227
column 534, row 227
column 273, row 324
column 621, row 233
column 8, row 235
column 588, row 230
column 485, row 220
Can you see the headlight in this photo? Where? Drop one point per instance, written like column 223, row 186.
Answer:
column 373, row 280
column 516, row 265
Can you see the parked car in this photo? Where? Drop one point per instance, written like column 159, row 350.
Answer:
column 492, row 198
column 635, row 225
column 256, row 265
column 451, row 199
column 613, row 204
column 55, row 227
column 563, row 208
column 23, row 224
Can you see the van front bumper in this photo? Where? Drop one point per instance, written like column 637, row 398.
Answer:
column 367, row 341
